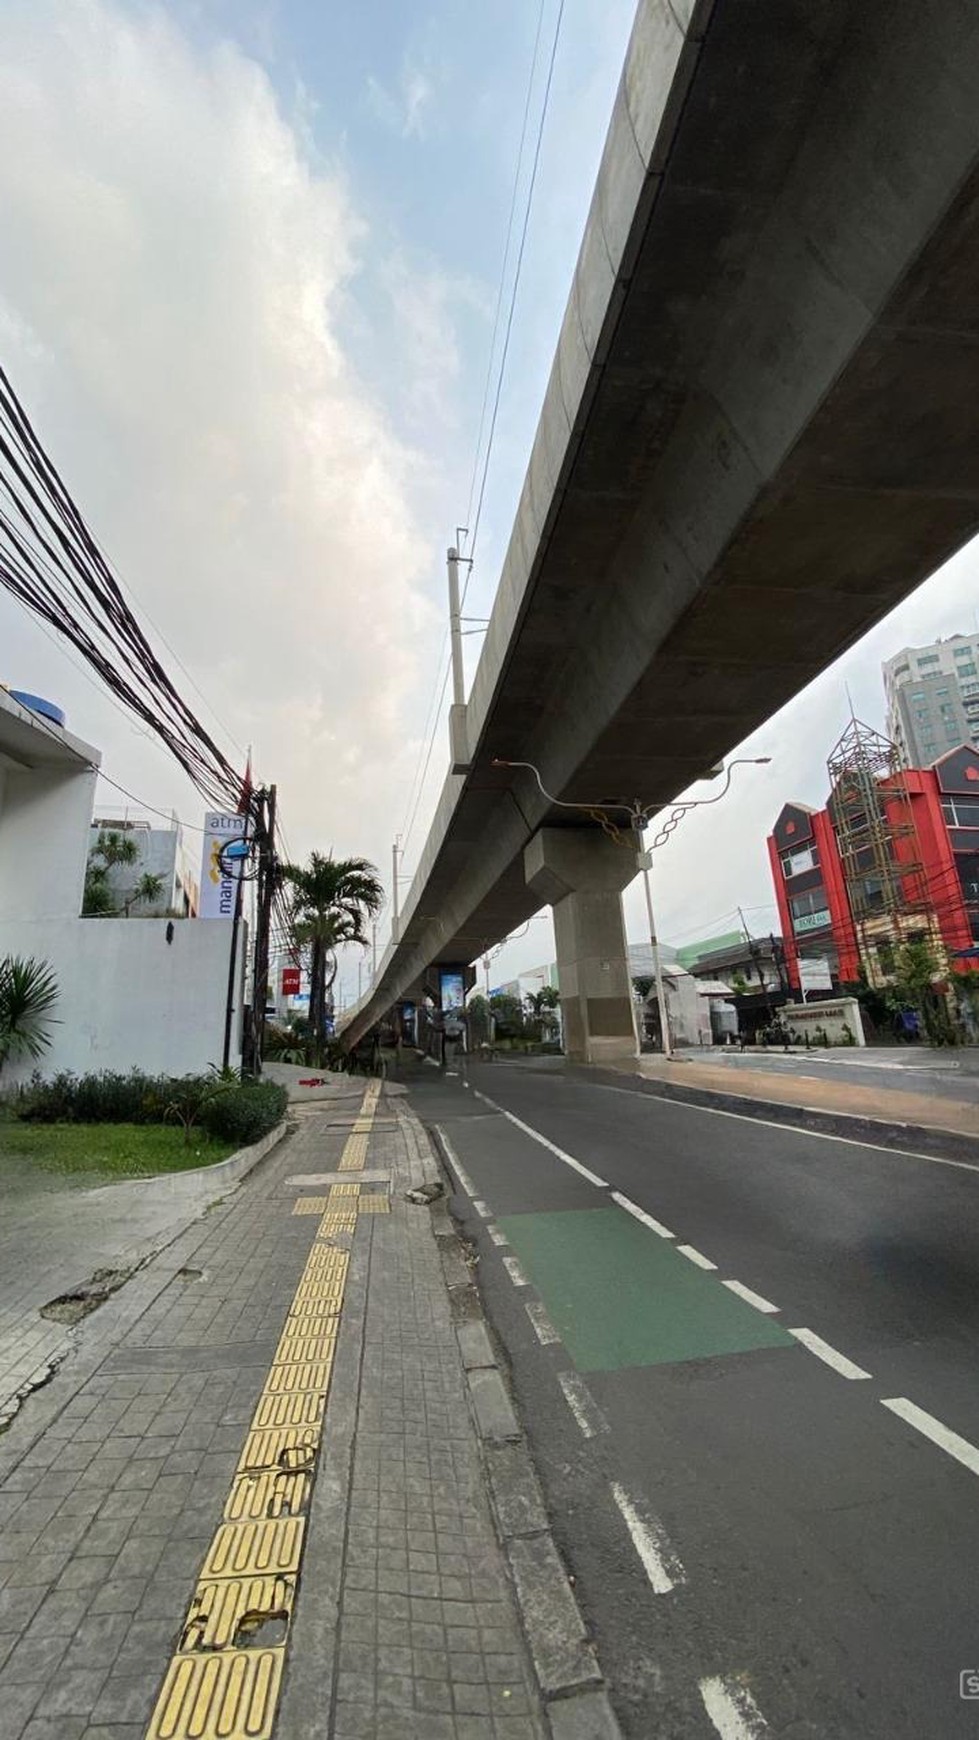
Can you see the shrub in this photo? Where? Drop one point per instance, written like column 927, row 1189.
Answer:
column 107, row 1098
column 232, row 1110
column 246, row 1113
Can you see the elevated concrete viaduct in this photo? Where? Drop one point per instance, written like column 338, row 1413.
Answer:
column 761, row 430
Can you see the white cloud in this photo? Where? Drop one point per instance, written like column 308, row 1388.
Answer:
column 405, row 109
column 175, row 266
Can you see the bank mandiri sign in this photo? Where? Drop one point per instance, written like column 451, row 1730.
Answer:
column 217, row 887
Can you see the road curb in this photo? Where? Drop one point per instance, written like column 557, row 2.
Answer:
column 228, row 1171
column 565, row 1664
column 932, row 1139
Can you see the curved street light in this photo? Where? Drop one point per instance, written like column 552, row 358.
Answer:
column 639, row 816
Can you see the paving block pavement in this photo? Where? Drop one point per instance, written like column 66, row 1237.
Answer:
column 115, row 1488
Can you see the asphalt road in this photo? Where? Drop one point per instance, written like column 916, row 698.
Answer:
column 759, row 1543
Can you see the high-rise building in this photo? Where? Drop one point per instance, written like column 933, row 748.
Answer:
column 933, row 698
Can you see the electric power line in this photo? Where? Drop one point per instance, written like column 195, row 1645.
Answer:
column 440, row 691
column 516, row 280
column 51, row 563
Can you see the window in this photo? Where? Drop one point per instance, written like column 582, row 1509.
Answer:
column 809, row 911
column 941, row 691
column 963, row 652
column 928, row 659
column 961, row 812
column 967, row 670
column 970, row 688
column 946, row 709
column 902, row 670
column 796, row 863
column 872, row 893
column 922, row 715
column 918, row 694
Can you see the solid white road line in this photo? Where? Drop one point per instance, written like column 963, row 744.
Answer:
column 454, row 1161
column 829, row 1355
column 542, row 1326
column 481, row 1209
column 659, row 1561
column 733, row 1710
column 637, row 1213
column 697, row 1257
column 751, row 1298
column 514, row 1271
column 569, row 1159
column 496, row 1235
column 946, row 1440
column 788, row 1129
column 582, row 1404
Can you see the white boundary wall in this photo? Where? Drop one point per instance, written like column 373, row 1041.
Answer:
column 129, row 999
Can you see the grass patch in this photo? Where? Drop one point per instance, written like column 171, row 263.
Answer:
column 107, row 1151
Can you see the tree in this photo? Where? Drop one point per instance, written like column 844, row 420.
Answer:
column 478, row 1011
column 97, row 901
column 331, row 900
column 917, row 969
column 28, row 993
column 508, row 1014
column 148, row 888
column 111, row 850
column 541, row 1006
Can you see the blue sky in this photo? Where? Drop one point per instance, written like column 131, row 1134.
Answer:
column 249, row 260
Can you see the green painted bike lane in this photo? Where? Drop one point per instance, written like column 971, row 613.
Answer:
column 619, row 1296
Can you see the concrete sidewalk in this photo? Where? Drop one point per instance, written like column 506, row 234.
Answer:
column 279, row 1482
column 55, row 1239
column 893, row 1105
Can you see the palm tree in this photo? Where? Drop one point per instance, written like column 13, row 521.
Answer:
column 112, row 847
column 331, row 899
column 28, row 993
column 148, row 889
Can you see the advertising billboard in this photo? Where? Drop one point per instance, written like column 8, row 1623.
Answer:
column 218, row 883
column 452, row 988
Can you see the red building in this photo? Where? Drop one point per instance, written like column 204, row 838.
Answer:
column 890, row 859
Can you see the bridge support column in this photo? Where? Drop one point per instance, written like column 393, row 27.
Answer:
column 581, row 874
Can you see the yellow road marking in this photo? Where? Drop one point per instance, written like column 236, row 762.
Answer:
column 216, row 1687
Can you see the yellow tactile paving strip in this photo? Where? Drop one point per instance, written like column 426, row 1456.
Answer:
column 217, row 1687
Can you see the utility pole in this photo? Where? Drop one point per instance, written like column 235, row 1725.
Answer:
column 455, row 629
column 644, row 861
column 395, row 909
column 755, row 953
column 263, row 923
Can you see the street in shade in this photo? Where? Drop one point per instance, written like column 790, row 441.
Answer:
column 745, row 1360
